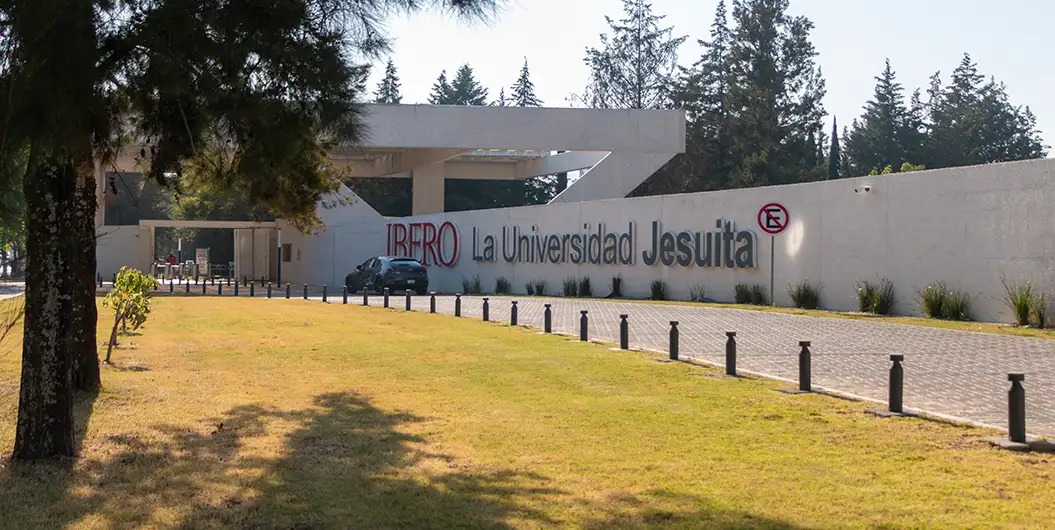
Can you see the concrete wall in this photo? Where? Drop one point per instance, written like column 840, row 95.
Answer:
column 965, row 226
column 118, row 246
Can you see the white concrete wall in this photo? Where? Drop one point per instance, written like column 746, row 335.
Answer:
column 118, row 246
column 965, row 226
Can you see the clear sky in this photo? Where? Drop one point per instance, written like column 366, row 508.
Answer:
column 1013, row 40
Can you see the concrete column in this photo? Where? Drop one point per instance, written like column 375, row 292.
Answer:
column 427, row 195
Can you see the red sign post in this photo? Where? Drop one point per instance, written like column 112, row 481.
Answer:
column 773, row 219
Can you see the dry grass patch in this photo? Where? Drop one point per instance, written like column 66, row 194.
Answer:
column 257, row 413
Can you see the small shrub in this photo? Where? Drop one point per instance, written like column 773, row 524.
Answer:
column 658, row 290
column 585, row 289
column 502, row 286
column 1040, row 310
column 571, row 287
column 467, row 286
column 617, row 287
column 540, row 288
column 956, row 305
column 932, row 300
column 758, row 295
column 883, row 297
column 696, row 293
column 1019, row 297
column 742, row 294
column 530, row 288
column 130, row 300
column 865, row 296
column 805, row 295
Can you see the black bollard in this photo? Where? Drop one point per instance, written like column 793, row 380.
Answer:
column 269, row 290
column 219, row 289
column 100, row 278
column 386, row 297
column 487, row 310
column 305, row 291
column 584, row 326
column 261, row 281
column 897, row 384
column 458, row 304
column 366, row 298
column 212, row 281
column 172, row 287
column 513, row 313
column 228, row 281
column 344, row 295
column 245, row 281
column 252, row 289
column 115, row 279
column 548, row 325
column 624, row 332
column 432, row 302
column 1016, row 401
column 187, row 287
column 804, row 366
column 236, row 288
column 408, row 300
column 324, row 294
column 674, row 334
column 730, row 353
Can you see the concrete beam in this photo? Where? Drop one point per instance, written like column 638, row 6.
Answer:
column 182, row 223
column 614, row 177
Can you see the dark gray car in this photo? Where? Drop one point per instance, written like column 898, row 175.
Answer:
column 396, row 273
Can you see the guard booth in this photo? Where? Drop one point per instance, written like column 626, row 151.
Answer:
column 255, row 247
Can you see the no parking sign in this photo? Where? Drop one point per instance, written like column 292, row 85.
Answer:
column 773, row 219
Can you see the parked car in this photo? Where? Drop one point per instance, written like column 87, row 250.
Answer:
column 388, row 271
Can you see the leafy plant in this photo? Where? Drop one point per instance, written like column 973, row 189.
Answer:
column 932, row 300
column 742, row 293
column 130, row 300
column 696, row 293
column 1040, row 310
column 805, row 295
column 617, row 287
column 502, row 286
column 540, row 288
column 865, row 296
column 1019, row 297
column 758, row 295
column 585, row 289
column 472, row 286
column 956, row 305
column 571, row 287
column 530, row 288
column 883, row 297
column 658, row 290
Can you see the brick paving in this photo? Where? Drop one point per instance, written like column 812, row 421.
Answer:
column 956, row 373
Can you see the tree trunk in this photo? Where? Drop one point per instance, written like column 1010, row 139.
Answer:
column 45, row 405
column 118, row 318
column 85, row 312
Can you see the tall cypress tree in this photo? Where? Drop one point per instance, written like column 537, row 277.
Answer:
column 834, row 155
column 524, row 89
column 388, row 90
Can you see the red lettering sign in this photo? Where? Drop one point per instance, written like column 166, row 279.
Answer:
column 430, row 243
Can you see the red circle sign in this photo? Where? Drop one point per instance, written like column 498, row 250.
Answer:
column 773, row 218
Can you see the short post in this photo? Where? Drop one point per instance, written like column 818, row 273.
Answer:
column 229, row 281
column 804, row 366
column 548, row 325
column 219, row 289
column 245, row 281
column 1016, row 401
column 408, row 300
column 114, row 282
column 730, row 353
column 432, row 302
column 386, row 297
column 366, row 298
column 897, row 383
column 344, row 295
column 487, row 310
column 458, row 304
column 252, row 290
column 236, row 288
column 513, row 313
column 186, row 287
column 305, row 291
column 584, row 326
column 172, row 286
column 674, row 335
column 324, row 294
column 287, row 290
column 100, row 278
column 269, row 290
column 261, row 281
column 212, row 280
column 624, row 332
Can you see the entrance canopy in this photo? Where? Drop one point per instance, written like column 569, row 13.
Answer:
column 255, row 244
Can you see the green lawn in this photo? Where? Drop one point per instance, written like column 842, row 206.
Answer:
column 294, row 414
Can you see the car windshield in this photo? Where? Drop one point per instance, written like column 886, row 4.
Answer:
column 405, row 263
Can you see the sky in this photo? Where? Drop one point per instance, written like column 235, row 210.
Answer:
column 1015, row 43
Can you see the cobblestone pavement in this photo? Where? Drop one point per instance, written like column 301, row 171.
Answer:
column 956, row 373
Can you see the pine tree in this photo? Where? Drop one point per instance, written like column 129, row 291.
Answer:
column 834, row 155
column 442, row 92
column 524, row 89
column 879, row 139
column 501, row 101
column 634, row 66
column 388, row 90
column 465, row 90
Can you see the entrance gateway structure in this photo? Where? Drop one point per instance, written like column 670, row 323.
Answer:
column 615, row 149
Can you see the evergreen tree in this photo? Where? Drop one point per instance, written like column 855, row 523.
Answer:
column 878, row 139
column 524, row 89
column 835, row 157
column 501, row 101
column 388, row 90
column 442, row 92
column 465, row 90
column 634, row 66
